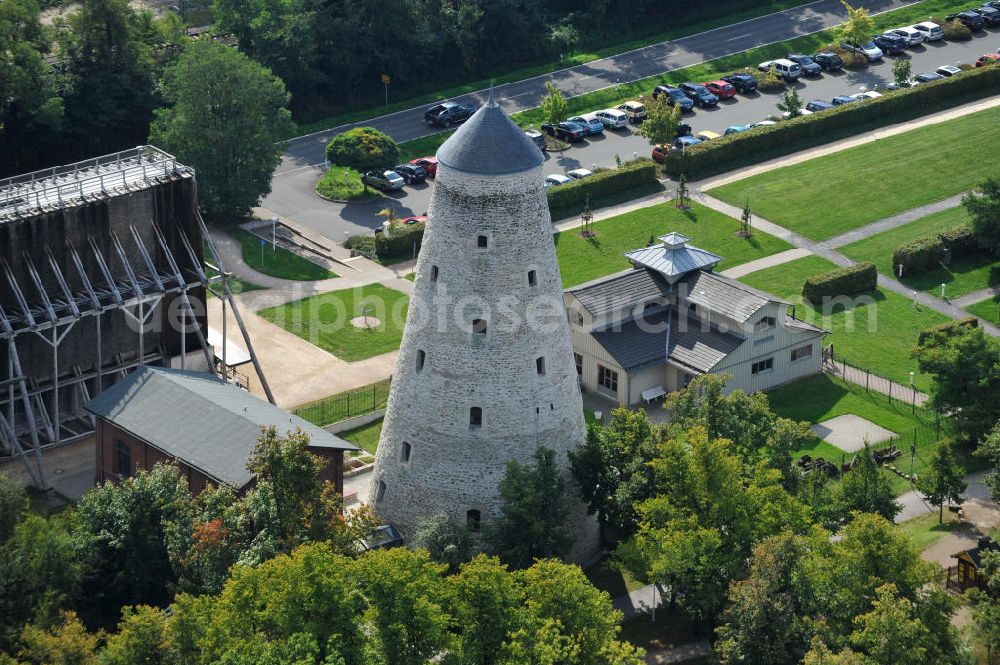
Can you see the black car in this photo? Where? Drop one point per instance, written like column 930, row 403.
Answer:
column 447, row 114
column 830, row 62
column 674, row 96
column 411, row 173
column 818, row 105
column 971, row 20
column 683, row 129
column 743, row 83
column 565, row 131
column 990, row 14
column 840, row 100
column 699, row 94
column 927, row 77
column 890, row 44
column 808, row 65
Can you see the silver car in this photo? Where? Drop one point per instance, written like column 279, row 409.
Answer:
column 932, row 30
column 912, row 36
column 868, row 49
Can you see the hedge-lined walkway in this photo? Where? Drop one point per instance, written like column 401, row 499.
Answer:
column 895, row 221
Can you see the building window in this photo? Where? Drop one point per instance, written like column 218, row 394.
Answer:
column 380, row 494
column 607, row 378
column 574, row 316
column 540, row 364
column 473, row 519
column 764, row 324
column 802, row 352
column 404, row 452
column 762, row 366
column 421, row 356
column 123, row 459
column 693, row 308
column 434, row 273
column 532, row 278
column 482, row 242
column 475, row 417
column 578, row 359
column 479, row 326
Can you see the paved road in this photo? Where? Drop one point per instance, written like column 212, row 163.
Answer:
column 293, row 196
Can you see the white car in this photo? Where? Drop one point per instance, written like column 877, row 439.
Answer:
column 612, row 118
column 579, row 174
column 932, row 30
column 761, row 123
column 948, row 70
column 803, row 111
column 868, row 94
column 912, row 36
column 869, row 50
column 556, row 179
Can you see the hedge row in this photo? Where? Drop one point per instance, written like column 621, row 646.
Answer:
column 602, row 183
column 858, row 278
column 751, row 147
column 949, row 328
column 399, row 242
column 926, row 253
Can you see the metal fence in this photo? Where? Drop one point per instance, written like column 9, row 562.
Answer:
column 346, row 405
column 872, row 381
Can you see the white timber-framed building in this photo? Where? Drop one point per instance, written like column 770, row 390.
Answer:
column 647, row 331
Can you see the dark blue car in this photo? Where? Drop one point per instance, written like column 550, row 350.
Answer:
column 699, row 94
column 674, row 96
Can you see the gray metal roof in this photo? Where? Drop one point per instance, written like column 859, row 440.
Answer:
column 673, row 256
column 640, row 344
column 620, row 291
column 723, row 295
column 200, row 419
column 489, row 143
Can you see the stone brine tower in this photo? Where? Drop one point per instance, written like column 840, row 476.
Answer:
column 485, row 372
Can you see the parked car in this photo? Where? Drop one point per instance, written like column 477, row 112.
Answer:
column 447, row 114
column 721, row 89
column 416, row 219
column 761, row 123
column 411, row 173
column 683, row 129
column 707, row 135
column 590, row 122
column 579, row 174
column 684, row 142
column 988, row 59
column 867, row 94
column 744, row 83
column 932, row 31
column 787, row 115
column 565, row 131
column 536, row 138
column 870, row 50
column 948, row 70
column 840, row 100
column 735, row 129
column 829, row 61
column 659, row 154
column 990, row 14
column 912, row 36
column 995, row 4
column 556, row 179
column 612, row 118
column 384, row 180
column 969, row 19
column 428, row 164
column 890, row 44
column 818, row 105
column 674, row 96
column 927, row 77
column 699, row 94
column 785, row 68
column 635, row 111
column 809, row 66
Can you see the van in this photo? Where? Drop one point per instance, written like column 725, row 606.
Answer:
column 612, row 118
column 635, row 111
column 785, row 68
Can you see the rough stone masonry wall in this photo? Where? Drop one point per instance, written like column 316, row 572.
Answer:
column 454, row 467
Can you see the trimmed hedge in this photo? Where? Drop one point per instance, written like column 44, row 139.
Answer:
column 960, row 241
column 626, row 176
column 399, row 242
column 363, row 149
column 918, row 255
column 949, row 328
column 858, row 278
column 729, row 152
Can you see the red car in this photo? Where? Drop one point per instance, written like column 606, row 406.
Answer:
column 988, row 59
column 429, row 164
column 659, row 154
column 418, row 219
column 721, row 89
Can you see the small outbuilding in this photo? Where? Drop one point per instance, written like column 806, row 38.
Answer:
column 207, row 426
column 968, row 573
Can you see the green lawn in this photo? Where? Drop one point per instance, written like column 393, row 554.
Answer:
column 924, row 531
column 583, row 259
column 987, row 310
column 412, row 276
column 876, row 332
column 366, row 436
column 277, row 261
column 324, row 320
column 829, row 195
column 962, row 276
column 342, row 183
column 341, row 406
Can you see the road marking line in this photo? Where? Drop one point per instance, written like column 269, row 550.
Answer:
column 733, row 39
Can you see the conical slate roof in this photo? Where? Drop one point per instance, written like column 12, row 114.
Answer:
column 489, row 143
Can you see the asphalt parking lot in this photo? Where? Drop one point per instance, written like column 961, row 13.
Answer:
column 293, row 195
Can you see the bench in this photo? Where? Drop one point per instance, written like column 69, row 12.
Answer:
column 653, row 394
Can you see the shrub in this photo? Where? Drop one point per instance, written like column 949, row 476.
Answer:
column 397, row 243
column 364, row 149
column 770, row 81
column 956, row 31
column 628, row 175
column 918, row 255
column 763, row 143
column 363, row 245
column 949, row 327
column 841, row 282
column 852, row 60
column 959, row 240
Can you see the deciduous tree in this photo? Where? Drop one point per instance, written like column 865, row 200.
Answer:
column 660, row 125
column 989, row 449
column 859, row 26
column 791, row 103
column 983, row 204
column 554, row 106
column 363, row 148
column 867, row 489
column 944, row 481
column 901, row 72
column 446, row 541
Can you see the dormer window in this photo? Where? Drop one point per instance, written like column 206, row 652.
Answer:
column 765, row 323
